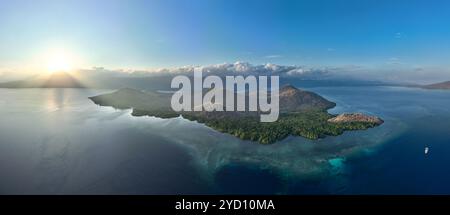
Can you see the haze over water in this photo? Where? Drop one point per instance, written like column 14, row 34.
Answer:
column 56, row 141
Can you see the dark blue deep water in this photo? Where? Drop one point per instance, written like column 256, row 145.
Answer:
column 55, row 141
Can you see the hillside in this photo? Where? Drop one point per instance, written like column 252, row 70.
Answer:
column 304, row 114
column 442, row 85
column 293, row 99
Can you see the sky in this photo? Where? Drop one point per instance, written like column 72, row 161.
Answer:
column 381, row 34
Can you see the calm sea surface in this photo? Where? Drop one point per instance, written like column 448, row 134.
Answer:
column 56, row 141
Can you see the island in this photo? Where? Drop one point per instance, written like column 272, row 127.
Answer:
column 302, row 113
column 439, row 86
column 54, row 80
column 355, row 117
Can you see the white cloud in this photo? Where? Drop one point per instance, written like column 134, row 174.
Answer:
column 273, row 56
column 242, row 68
column 394, row 61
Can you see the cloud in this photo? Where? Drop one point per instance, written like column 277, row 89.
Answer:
column 394, row 61
column 273, row 56
column 394, row 71
column 242, row 68
column 12, row 74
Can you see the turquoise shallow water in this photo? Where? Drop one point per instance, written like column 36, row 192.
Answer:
column 55, row 141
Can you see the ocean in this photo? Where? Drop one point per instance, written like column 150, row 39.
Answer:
column 56, row 141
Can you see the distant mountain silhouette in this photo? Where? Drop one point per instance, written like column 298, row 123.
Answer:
column 442, row 85
column 54, row 80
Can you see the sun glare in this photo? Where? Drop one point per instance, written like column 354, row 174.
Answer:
column 59, row 61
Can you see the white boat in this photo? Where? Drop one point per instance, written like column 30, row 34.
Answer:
column 426, row 150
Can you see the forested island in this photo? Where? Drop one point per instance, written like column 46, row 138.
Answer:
column 302, row 113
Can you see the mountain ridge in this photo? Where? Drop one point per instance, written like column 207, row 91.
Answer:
column 54, row 80
column 441, row 85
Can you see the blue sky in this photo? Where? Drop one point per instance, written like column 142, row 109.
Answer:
column 167, row 33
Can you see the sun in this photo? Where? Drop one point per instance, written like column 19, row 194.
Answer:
column 59, row 64
column 59, row 60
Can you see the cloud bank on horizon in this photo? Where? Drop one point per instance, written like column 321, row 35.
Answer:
column 243, row 68
column 397, row 74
